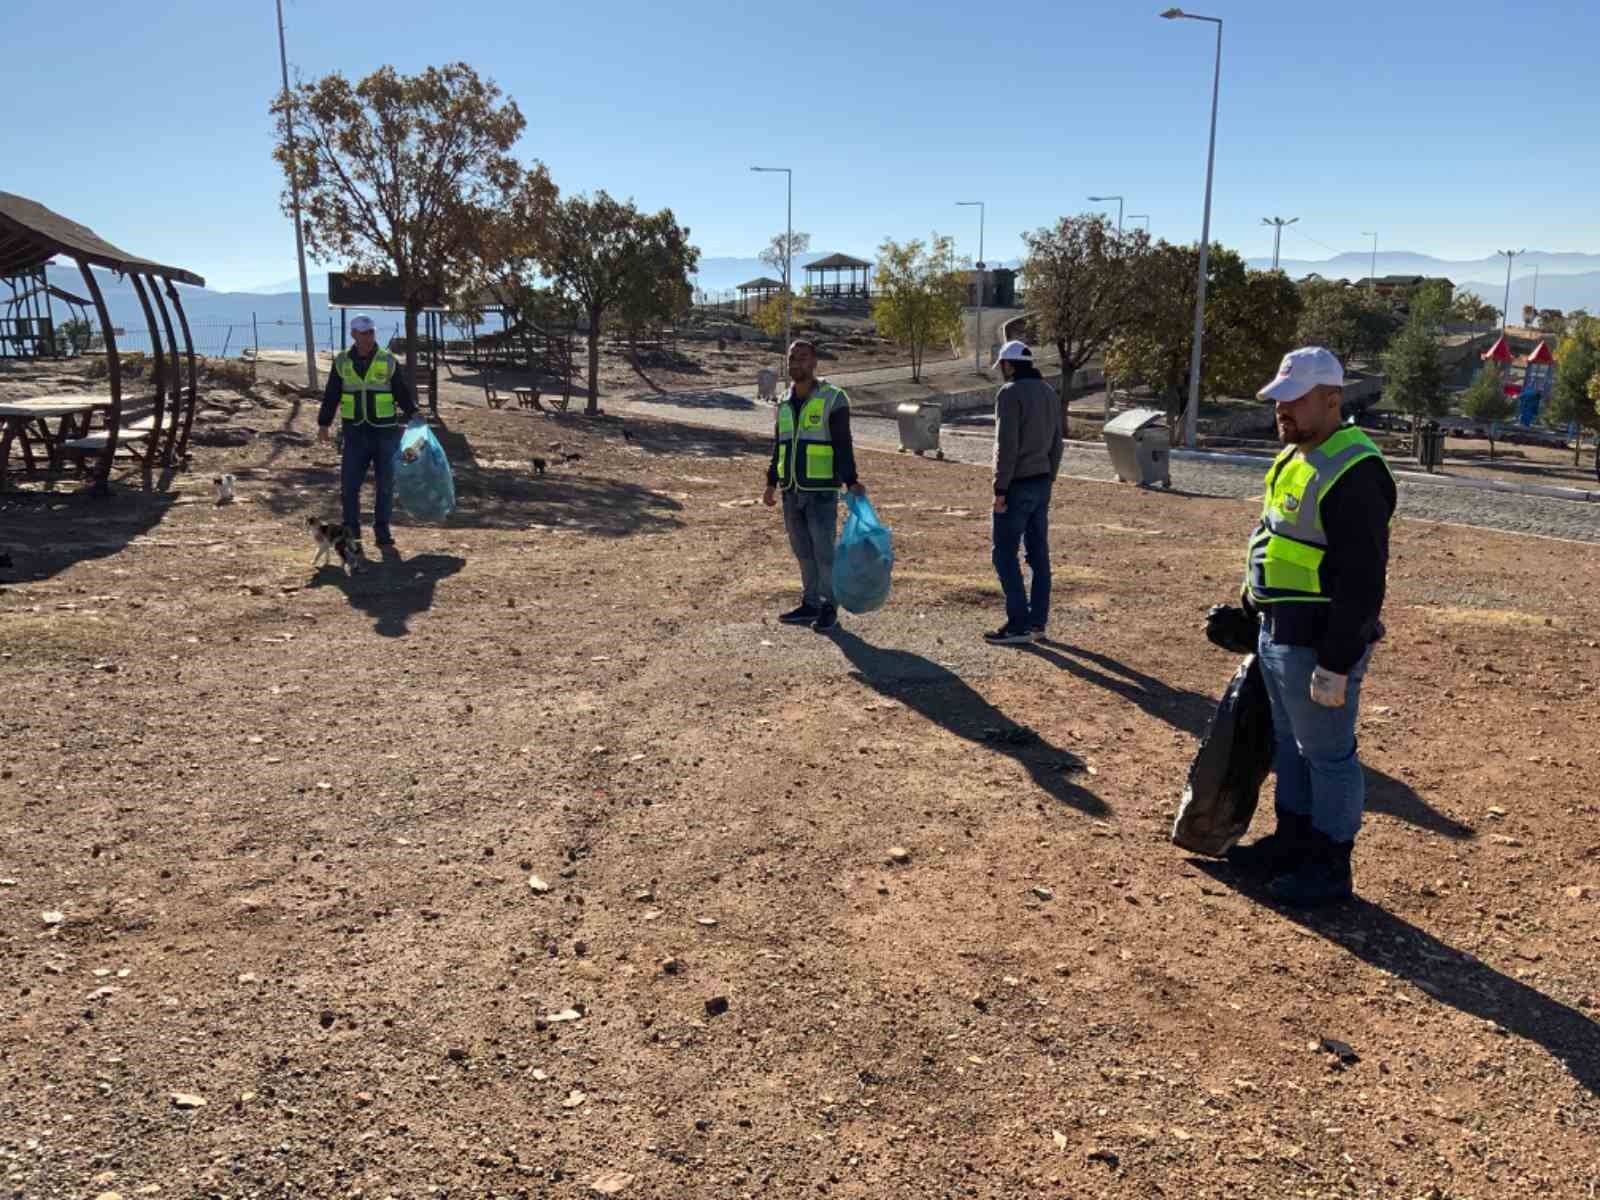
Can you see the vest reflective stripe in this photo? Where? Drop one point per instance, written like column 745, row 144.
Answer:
column 1284, row 561
column 368, row 399
column 805, row 447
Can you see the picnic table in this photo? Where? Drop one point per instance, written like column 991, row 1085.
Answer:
column 27, row 423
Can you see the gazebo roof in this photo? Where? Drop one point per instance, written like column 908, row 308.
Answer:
column 1500, row 351
column 759, row 284
column 31, row 235
column 1541, row 354
column 836, row 262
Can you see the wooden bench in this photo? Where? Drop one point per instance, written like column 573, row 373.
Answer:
column 93, row 443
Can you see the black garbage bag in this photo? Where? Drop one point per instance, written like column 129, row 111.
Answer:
column 1225, row 779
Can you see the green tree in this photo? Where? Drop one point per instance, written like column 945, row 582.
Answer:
column 1081, row 287
column 400, row 174
column 1250, row 322
column 777, row 255
column 769, row 317
column 1572, row 399
column 1415, row 375
column 919, row 297
column 1472, row 309
column 610, row 258
column 1350, row 321
column 73, row 336
column 1486, row 400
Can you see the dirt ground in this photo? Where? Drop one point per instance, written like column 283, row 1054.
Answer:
column 542, row 862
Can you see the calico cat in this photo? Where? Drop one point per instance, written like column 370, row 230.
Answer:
column 332, row 539
column 223, row 485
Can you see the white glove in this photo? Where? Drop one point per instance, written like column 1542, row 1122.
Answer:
column 1328, row 689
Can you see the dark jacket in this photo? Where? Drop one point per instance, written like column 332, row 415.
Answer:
column 404, row 401
column 844, row 452
column 1027, row 430
column 1355, row 516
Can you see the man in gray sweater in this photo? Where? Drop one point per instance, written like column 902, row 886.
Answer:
column 1027, row 457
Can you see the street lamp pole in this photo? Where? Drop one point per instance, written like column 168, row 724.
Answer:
column 977, row 332
column 1505, row 313
column 1372, row 276
column 1108, row 200
column 788, row 258
column 294, row 210
column 1191, row 424
column 1277, row 236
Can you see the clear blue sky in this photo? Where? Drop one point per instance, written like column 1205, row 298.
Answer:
column 1453, row 129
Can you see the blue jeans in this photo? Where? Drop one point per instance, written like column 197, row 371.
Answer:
column 1025, row 520
column 812, row 519
column 364, row 446
column 1318, row 773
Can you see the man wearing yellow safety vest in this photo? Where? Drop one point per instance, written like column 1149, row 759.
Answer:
column 812, row 455
column 1314, row 583
column 368, row 392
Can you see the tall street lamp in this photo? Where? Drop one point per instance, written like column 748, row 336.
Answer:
column 1145, row 217
column 1277, row 235
column 1191, row 418
column 788, row 258
column 977, row 333
column 1372, row 277
column 1108, row 200
column 1505, row 313
column 294, row 207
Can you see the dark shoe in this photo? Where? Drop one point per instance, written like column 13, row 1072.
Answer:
column 1323, row 878
column 1007, row 636
column 1038, row 633
column 1279, row 852
column 827, row 619
column 804, row 615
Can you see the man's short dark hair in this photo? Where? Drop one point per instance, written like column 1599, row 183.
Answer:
column 806, row 342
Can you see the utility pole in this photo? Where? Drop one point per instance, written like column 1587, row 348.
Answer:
column 1505, row 313
column 1535, row 291
column 977, row 331
column 788, row 258
column 294, row 204
column 1277, row 234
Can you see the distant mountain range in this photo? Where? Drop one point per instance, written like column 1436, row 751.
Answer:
column 1566, row 280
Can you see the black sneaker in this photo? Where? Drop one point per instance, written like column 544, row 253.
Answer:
column 804, row 615
column 1007, row 636
column 827, row 619
column 1322, row 878
column 1280, row 852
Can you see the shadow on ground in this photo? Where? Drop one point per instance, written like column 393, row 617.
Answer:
column 44, row 533
column 393, row 589
column 698, row 399
column 941, row 696
column 1191, row 712
column 1452, row 977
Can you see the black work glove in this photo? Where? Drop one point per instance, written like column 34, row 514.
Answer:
column 1231, row 628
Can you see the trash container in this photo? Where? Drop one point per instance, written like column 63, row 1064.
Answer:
column 1140, row 447
column 919, row 426
column 1430, row 446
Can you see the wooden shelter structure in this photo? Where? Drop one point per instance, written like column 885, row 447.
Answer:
column 837, row 265
column 382, row 293
column 762, row 287
column 151, row 428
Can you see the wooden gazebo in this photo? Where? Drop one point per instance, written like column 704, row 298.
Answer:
column 152, row 428
column 762, row 288
column 837, row 265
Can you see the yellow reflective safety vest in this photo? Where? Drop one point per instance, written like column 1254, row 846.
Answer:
column 805, row 445
column 368, row 399
column 1286, row 551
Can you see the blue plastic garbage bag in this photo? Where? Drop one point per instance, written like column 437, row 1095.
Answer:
column 863, row 559
column 422, row 481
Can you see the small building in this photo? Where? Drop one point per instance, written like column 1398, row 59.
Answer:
column 1399, row 288
column 996, row 285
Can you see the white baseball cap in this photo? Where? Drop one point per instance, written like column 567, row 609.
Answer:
column 1013, row 351
column 362, row 324
column 1300, row 371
